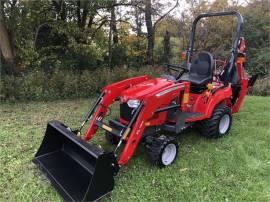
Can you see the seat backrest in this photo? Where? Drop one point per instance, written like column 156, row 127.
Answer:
column 202, row 65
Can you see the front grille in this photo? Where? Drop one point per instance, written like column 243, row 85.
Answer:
column 125, row 111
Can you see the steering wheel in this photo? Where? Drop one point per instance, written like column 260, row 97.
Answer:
column 178, row 69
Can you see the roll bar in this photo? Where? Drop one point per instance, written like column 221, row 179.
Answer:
column 204, row 15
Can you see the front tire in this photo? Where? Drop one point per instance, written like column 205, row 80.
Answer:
column 218, row 125
column 163, row 150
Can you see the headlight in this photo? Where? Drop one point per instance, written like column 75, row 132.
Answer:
column 133, row 103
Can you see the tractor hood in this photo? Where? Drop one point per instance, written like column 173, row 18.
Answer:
column 142, row 89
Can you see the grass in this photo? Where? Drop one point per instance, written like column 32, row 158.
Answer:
column 233, row 168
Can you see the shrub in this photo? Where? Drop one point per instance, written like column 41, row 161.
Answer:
column 64, row 84
column 261, row 87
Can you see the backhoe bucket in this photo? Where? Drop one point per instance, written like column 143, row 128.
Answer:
column 78, row 171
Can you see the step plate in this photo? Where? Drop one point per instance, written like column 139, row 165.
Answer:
column 180, row 124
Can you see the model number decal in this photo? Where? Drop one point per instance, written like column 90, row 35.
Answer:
column 167, row 91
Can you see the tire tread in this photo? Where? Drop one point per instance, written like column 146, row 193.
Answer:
column 209, row 127
column 157, row 146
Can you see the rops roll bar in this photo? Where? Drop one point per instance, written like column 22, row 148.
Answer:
column 204, row 15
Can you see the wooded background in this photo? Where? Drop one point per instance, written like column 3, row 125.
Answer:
column 54, row 49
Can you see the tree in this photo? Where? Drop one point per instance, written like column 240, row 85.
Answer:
column 151, row 27
column 6, row 46
column 113, row 34
column 166, row 47
column 138, row 29
column 60, row 9
column 112, row 26
column 138, row 21
column 256, row 32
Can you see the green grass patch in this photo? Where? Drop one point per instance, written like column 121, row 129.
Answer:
column 233, row 168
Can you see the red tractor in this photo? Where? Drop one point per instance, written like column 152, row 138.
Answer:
column 198, row 96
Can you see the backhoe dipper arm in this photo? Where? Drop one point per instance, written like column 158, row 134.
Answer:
column 150, row 105
column 111, row 93
column 243, row 79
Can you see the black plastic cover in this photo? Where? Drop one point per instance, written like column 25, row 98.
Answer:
column 78, row 171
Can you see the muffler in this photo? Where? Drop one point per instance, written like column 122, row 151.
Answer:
column 79, row 171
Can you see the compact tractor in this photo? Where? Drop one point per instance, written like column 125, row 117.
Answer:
column 198, row 96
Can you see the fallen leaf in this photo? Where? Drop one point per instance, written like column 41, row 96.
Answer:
column 183, row 169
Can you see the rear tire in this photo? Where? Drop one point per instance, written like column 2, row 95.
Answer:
column 163, row 150
column 218, row 125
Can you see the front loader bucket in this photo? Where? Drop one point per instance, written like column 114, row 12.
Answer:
column 78, row 171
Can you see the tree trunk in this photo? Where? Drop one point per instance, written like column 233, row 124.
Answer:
column 5, row 44
column 150, row 32
column 114, row 28
column 138, row 22
column 91, row 19
column 150, row 49
column 167, row 47
column 84, row 14
column 63, row 12
column 110, row 45
column 78, row 12
column 113, row 35
column 60, row 9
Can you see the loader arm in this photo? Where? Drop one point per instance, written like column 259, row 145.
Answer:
column 111, row 93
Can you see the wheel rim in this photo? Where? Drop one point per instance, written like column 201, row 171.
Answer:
column 224, row 123
column 168, row 154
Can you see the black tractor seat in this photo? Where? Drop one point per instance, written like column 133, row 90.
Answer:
column 201, row 70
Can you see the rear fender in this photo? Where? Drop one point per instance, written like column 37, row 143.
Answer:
column 221, row 96
column 205, row 106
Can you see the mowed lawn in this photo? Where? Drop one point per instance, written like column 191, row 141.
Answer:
column 233, row 168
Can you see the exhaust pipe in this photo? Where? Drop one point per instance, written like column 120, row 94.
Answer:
column 78, row 171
